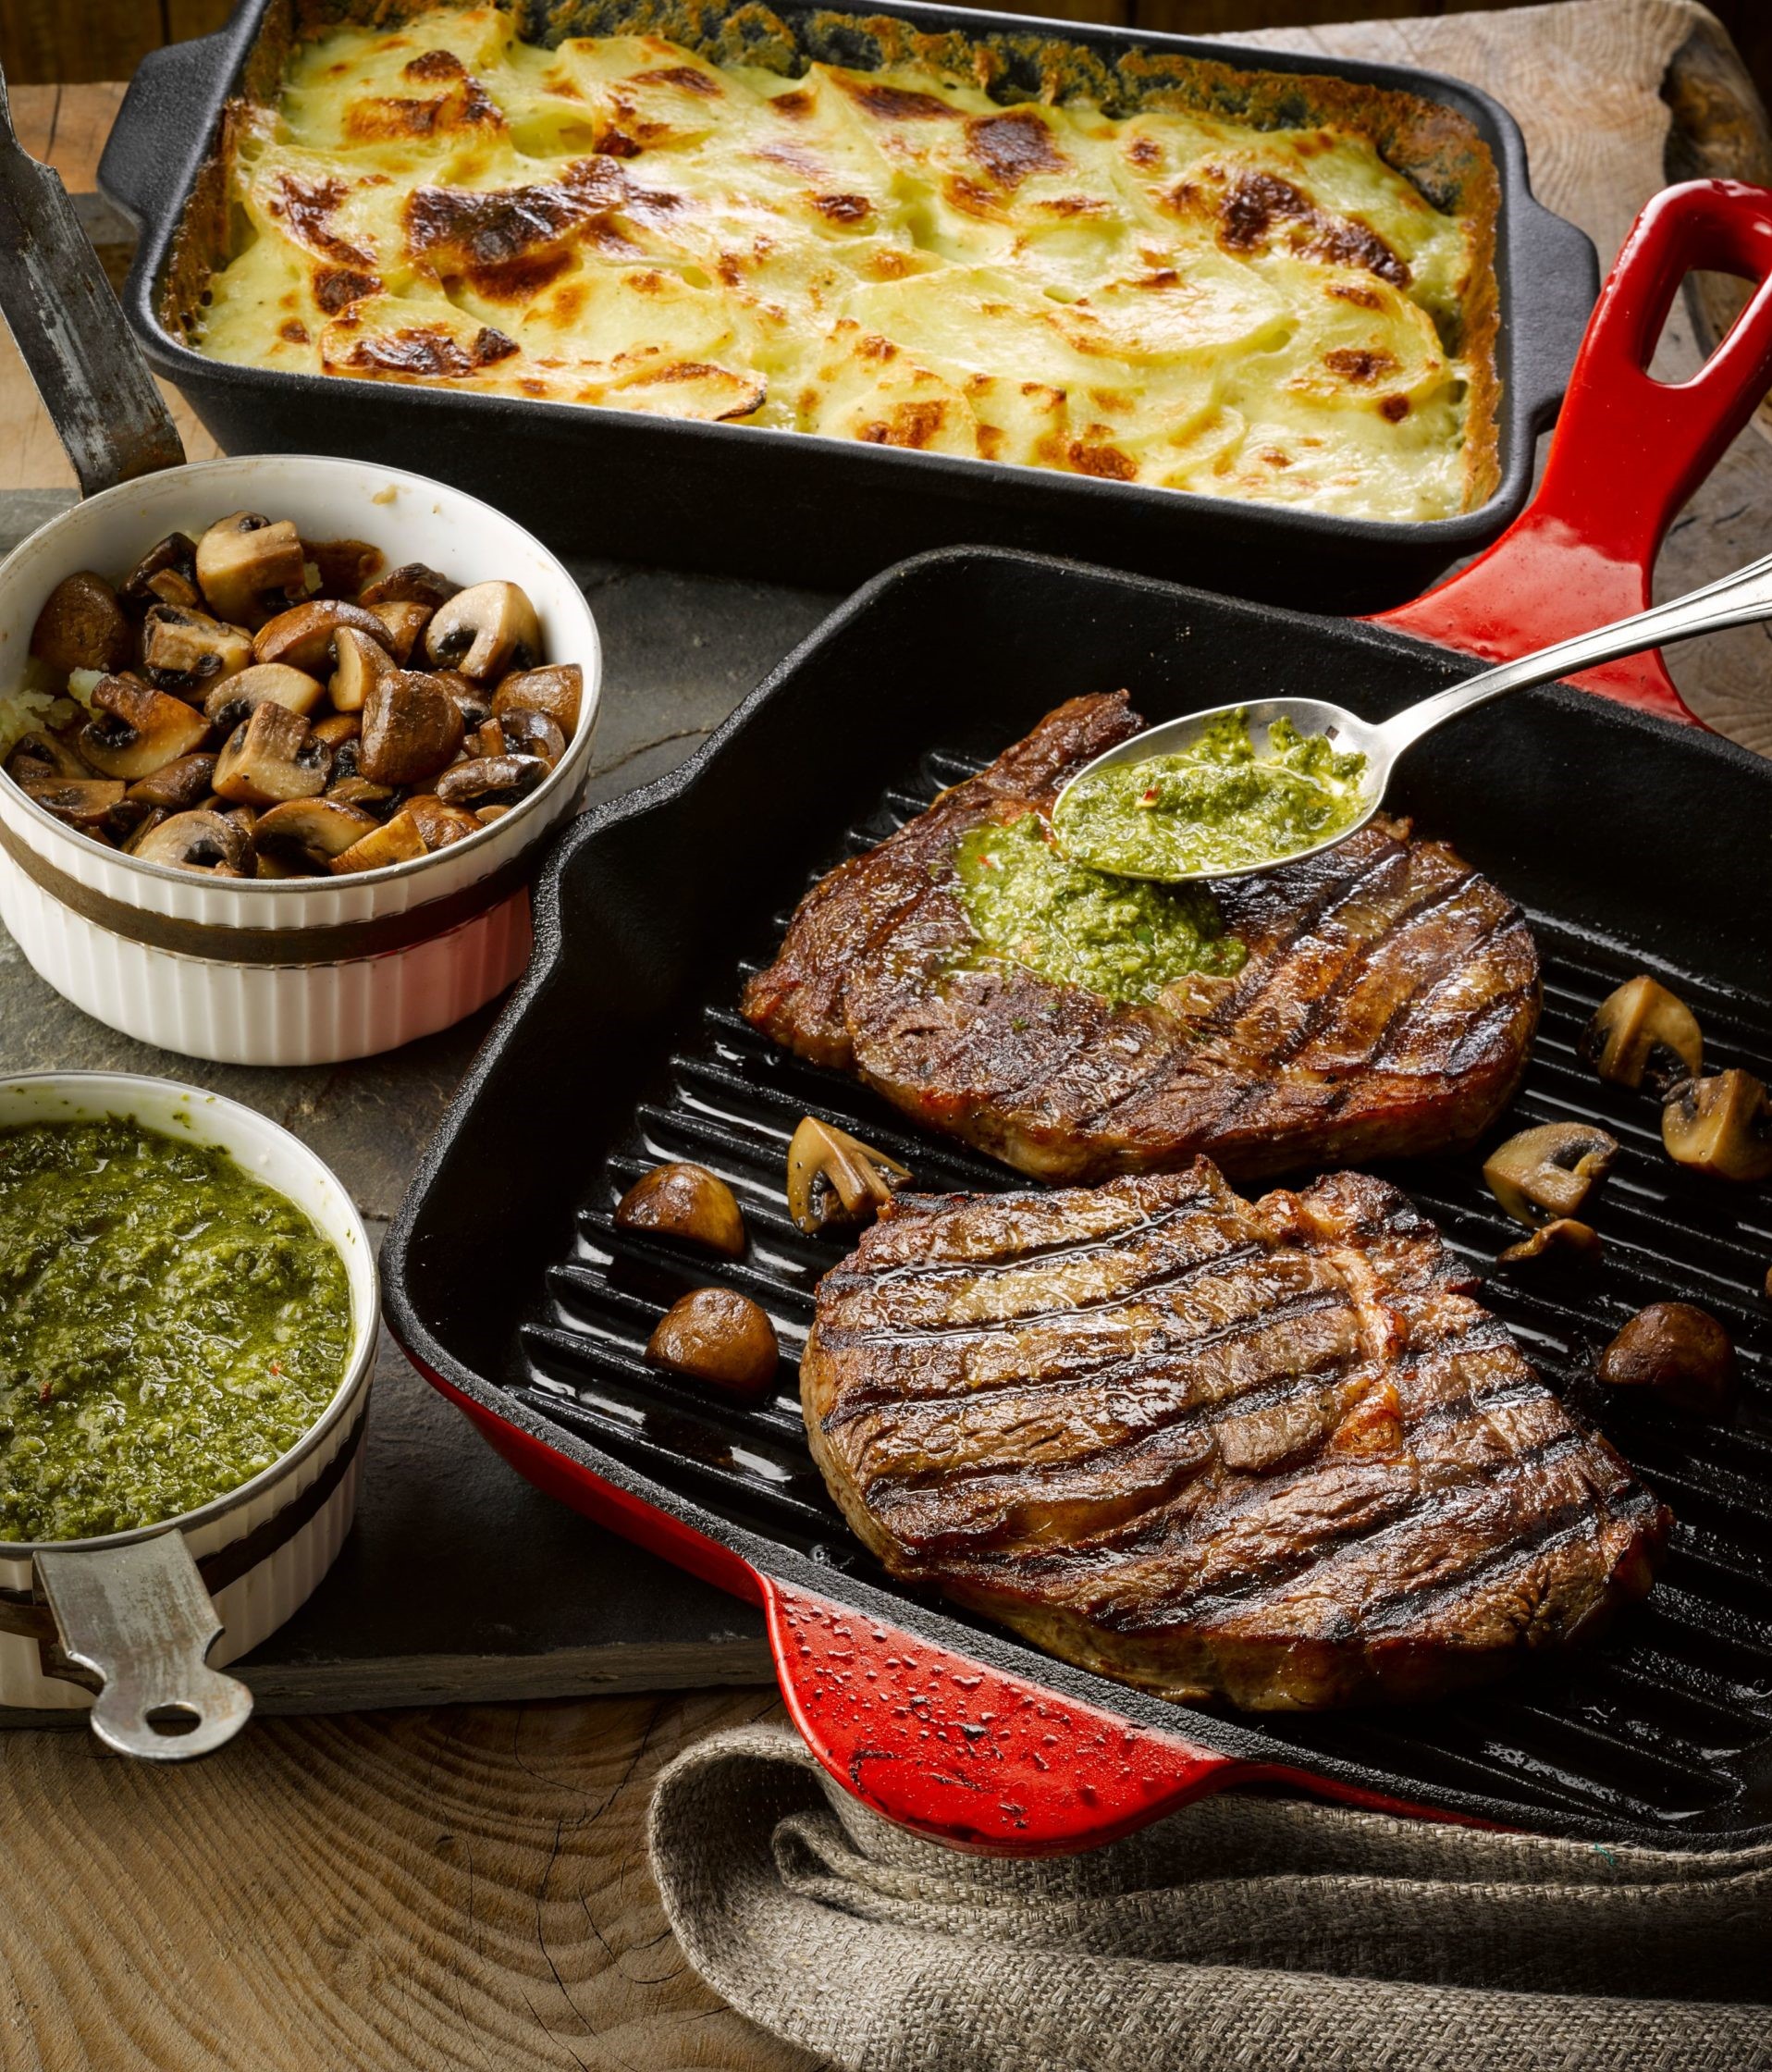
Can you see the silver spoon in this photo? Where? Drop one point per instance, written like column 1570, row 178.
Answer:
column 1734, row 600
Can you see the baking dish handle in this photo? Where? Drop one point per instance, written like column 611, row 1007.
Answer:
column 1629, row 451
column 1556, row 276
column 153, row 145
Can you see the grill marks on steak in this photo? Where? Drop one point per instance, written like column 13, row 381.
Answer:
column 1386, row 1005
column 1267, row 1451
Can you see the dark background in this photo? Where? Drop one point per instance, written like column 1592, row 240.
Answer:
column 46, row 40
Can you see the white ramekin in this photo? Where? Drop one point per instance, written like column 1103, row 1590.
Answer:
column 296, row 970
column 142, row 1639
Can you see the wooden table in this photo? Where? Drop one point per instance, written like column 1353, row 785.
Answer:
column 466, row 1886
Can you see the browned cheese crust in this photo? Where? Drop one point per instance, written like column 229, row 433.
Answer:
column 1267, row 1452
column 1386, row 1006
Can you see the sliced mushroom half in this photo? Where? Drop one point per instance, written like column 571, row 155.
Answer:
column 402, row 625
column 178, row 786
column 687, row 1201
column 411, row 729
column 187, row 651
column 82, row 625
column 250, row 569
column 136, row 730
column 1643, row 1033
column 272, row 756
column 37, row 756
column 438, row 824
column 307, row 635
column 201, row 841
column 836, row 1181
column 359, row 664
column 412, row 583
column 1565, row 1233
column 524, row 732
column 83, row 802
column 237, row 697
column 486, row 631
column 166, row 573
column 1720, row 1125
column 1549, row 1171
column 306, row 834
column 491, row 780
column 396, row 841
column 557, row 690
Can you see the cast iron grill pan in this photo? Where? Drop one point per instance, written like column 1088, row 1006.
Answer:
column 1664, row 1731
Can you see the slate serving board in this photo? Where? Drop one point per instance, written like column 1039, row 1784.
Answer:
column 460, row 1582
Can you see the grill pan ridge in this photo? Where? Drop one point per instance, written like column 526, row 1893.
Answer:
column 1615, row 831
column 688, row 494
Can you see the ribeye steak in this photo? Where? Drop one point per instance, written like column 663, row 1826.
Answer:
column 1271, row 1452
column 1386, row 1005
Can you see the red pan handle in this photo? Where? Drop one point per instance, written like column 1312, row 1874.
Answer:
column 1628, row 451
column 941, row 1745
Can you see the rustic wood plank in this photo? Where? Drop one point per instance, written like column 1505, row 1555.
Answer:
column 455, row 1890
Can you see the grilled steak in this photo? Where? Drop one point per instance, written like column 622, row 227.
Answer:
column 1386, row 1004
column 1267, row 1451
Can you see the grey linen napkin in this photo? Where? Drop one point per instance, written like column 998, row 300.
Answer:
column 1248, row 1932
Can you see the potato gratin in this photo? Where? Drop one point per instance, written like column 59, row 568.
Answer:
column 891, row 256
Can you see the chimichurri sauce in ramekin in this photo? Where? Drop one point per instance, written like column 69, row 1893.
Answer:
column 1221, row 806
column 169, row 1326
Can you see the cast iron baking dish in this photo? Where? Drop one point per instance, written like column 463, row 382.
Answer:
column 804, row 508
column 1632, row 843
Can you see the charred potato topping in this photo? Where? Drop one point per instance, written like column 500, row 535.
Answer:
column 246, row 703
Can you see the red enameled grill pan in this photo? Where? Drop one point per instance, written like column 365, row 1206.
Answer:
column 1624, row 836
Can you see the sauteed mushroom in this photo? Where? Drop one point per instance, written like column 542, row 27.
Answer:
column 685, row 1200
column 410, row 728
column 1644, row 1032
column 203, row 841
column 250, row 569
column 834, row 1181
column 306, row 834
column 136, row 730
column 484, row 631
column 360, row 665
column 720, row 1336
column 1678, row 1351
column 178, row 786
column 491, row 780
column 37, row 756
column 438, row 824
column 412, row 583
column 345, row 565
column 186, row 651
column 1549, row 1171
column 402, row 625
column 83, row 802
column 81, row 626
column 305, row 636
column 272, row 756
column 166, row 573
column 1720, row 1125
column 524, row 732
column 1564, row 1234
column 237, row 697
column 557, row 690
column 395, row 841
